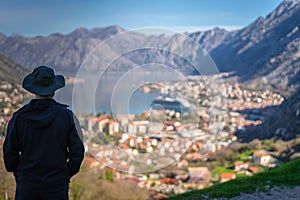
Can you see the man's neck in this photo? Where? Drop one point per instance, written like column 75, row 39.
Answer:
column 41, row 97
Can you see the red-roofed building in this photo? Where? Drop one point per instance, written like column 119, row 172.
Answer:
column 241, row 166
column 182, row 163
column 7, row 119
column 254, row 169
column 227, row 176
column 92, row 163
column 133, row 179
column 102, row 117
column 169, row 181
column 261, row 158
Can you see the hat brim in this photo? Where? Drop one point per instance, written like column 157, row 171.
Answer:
column 59, row 82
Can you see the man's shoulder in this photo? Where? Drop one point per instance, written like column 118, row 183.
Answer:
column 65, row 108
column 62, row 105
column 20, row 110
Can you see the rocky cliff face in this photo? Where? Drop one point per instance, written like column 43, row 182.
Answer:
column 267, row 49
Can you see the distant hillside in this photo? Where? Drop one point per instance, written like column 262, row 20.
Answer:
column 10, row 71
column 284, row 124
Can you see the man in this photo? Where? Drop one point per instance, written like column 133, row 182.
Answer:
column 43, row 146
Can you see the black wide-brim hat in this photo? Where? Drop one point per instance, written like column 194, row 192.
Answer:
column 42, row 81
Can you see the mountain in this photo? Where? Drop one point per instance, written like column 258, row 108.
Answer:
column 63, row 52
column 210, row 39
column 267, row 50
column 10, row 71
column 66, row 52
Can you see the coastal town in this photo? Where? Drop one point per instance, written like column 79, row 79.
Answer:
column 163, row 150
column 167, row 158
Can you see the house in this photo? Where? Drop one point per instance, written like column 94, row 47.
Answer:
column 114, row 127
column 227, row 176
column 262, row 158
column 90, row 123
column 241, row 166
column 193, row 156
column 254, row 169
column 182, row 164
column 199, row 178
column 153, row 176
column 93, row 164
column 169, row 181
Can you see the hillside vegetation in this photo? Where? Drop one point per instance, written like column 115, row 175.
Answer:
column 286, row 175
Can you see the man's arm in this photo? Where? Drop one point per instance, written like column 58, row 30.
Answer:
column 76, row 148
column 10, row 146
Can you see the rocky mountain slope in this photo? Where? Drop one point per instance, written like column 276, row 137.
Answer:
column 267, row 49
column 10, row 72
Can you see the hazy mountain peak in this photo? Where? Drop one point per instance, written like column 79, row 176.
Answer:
column 79, row 33
column 285, row 8
column 98, row 32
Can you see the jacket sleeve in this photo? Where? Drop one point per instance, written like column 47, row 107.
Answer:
column 76, row 148
column 10, row 147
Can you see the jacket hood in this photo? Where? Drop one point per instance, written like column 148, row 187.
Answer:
column 40, row 112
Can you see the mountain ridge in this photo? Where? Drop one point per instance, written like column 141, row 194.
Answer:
column 254, row 52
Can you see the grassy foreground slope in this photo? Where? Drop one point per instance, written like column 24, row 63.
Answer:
column 286, row 175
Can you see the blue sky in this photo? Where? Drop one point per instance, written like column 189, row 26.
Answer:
column 38, row 17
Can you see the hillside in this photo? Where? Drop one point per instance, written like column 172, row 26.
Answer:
column 284, row 124
column 267, row 50
column 287, row 175
column 10, row 71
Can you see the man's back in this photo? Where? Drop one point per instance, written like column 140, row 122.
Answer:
column 51, row 151
column 42, row 145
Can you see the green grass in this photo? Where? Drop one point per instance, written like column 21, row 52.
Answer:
column 286, row 175
column 219, row 170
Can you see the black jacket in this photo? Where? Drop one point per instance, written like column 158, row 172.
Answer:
column 43, row 145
